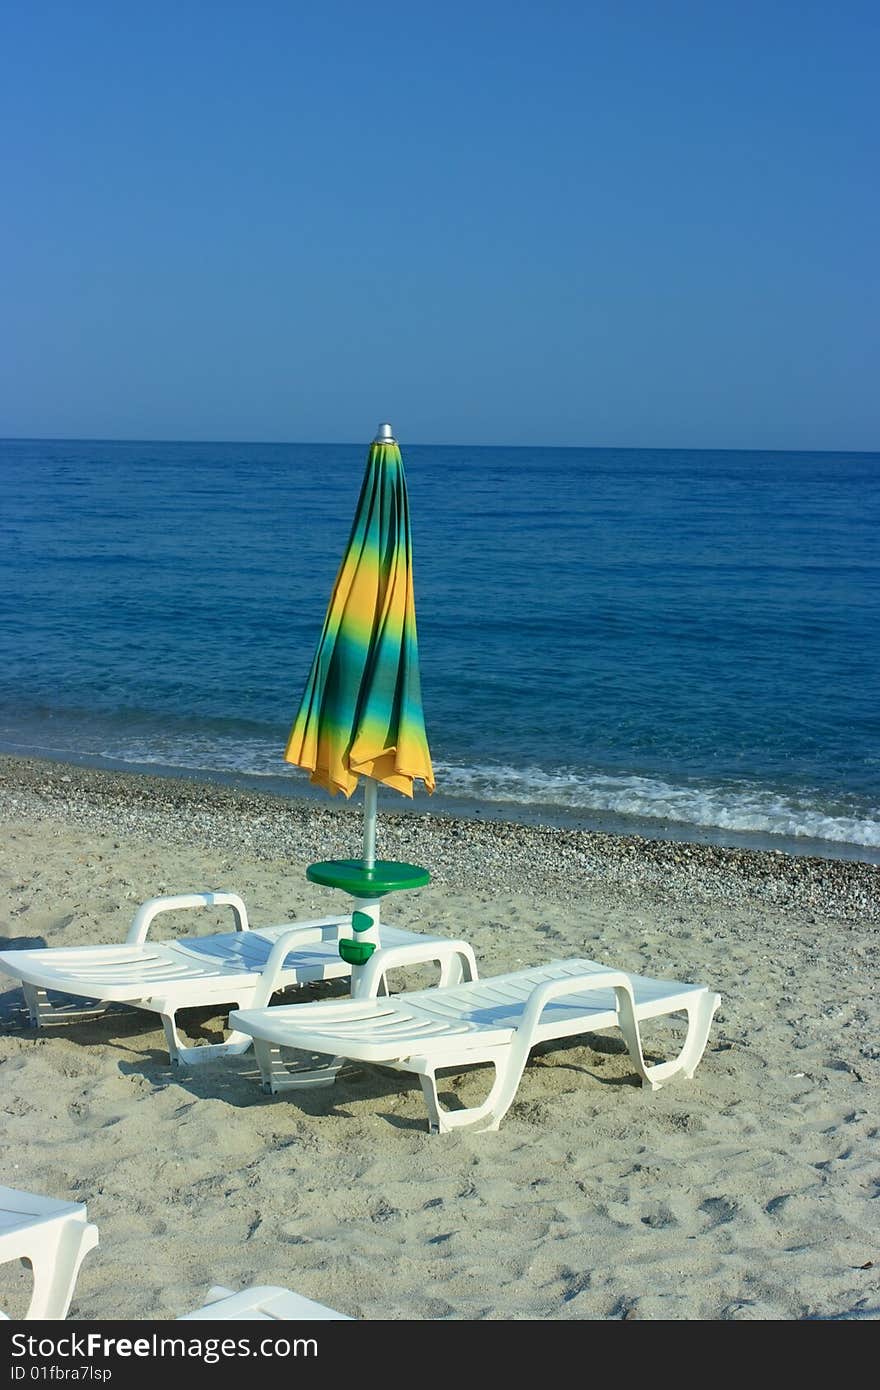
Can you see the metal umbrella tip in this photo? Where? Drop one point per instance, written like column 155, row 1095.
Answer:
column 384, row 435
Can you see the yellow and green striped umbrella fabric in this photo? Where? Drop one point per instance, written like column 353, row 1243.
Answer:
column 361, row 713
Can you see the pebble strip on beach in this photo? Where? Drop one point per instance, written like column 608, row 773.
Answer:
column 487, row 855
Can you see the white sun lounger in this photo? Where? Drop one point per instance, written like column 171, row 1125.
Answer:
column 56, row 1237
column 224, row 968
column 498, row 1020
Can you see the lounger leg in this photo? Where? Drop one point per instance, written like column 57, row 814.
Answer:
column 487, row 1116
column 699, row 1017
column 278, row 1076
column 699, row 1023
column 38, row 1006
column 41, row 1011
column 172, row 1038
column 183, row 1055
column 55, row 1268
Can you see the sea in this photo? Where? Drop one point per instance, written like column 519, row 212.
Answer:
column 672, row 643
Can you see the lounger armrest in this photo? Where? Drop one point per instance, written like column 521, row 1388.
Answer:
column 455, row 958
column 148, row 911
column 277, row 956
column 308, row 933
column 542, row 994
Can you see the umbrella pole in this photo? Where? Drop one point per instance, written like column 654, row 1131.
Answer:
column 366, row 911
column 371, row 788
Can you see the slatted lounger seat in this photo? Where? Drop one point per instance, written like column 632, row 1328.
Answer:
column 497, row 1021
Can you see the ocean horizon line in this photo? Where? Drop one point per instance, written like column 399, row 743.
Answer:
column 443, row 444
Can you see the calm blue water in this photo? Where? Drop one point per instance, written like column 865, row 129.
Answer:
column 687, row 642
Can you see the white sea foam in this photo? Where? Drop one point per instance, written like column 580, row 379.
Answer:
column 737, row 807
column 734, row 806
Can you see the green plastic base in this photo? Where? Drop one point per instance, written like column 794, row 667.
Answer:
column 386, row 876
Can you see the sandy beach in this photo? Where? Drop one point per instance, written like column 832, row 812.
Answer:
column 749, row 1192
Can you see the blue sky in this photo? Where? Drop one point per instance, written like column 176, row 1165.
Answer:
column 635, row 224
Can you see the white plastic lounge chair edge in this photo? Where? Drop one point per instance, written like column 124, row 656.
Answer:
column 266, row 1301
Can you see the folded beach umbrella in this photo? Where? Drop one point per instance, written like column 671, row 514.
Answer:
column 361, row 712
